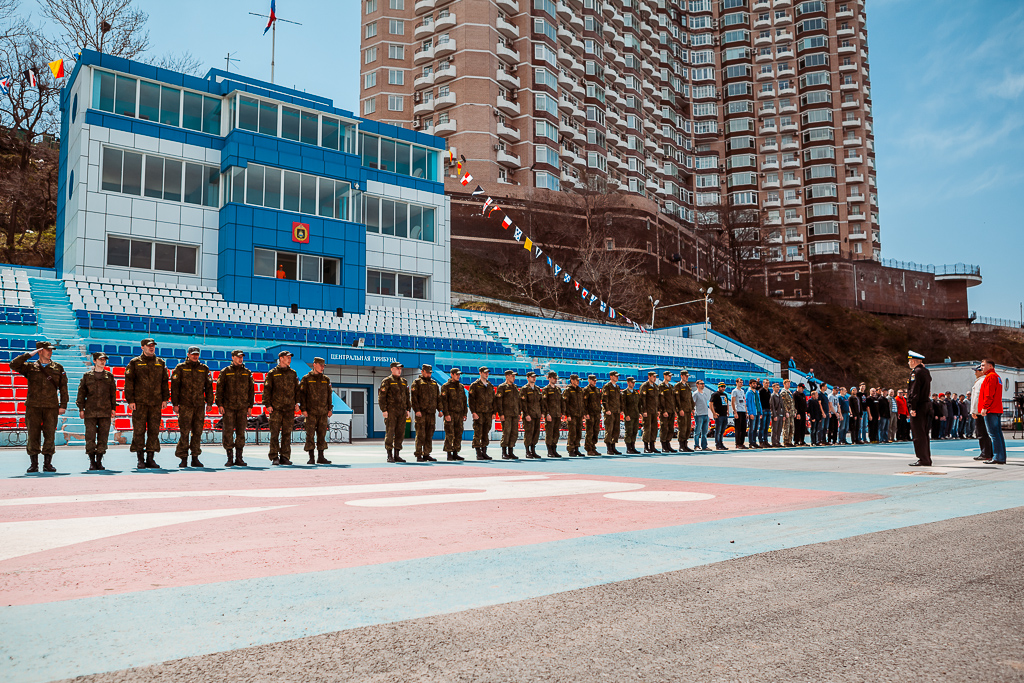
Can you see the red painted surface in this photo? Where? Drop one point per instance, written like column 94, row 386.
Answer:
column 322, row 533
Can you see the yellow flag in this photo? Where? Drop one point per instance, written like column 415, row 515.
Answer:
column 528, row 245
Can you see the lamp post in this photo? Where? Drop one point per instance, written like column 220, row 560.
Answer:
column 654, row 307
column 706, row 299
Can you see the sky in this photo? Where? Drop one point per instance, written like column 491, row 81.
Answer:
column 947, row 88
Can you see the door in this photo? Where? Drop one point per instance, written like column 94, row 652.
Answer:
column 356, row 400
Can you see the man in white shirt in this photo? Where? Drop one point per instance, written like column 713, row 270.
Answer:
column 739, row 411
column 984, row 441
column 701, row 399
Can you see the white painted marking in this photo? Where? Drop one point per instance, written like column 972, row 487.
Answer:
column 503, row 490
column 660, row 496
column 25, row 538
column 823, row 456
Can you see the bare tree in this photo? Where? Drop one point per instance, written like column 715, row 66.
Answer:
column 736, row 241
column 115, row 27
column 531, row 280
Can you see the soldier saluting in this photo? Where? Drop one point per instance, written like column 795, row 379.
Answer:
column 147, row 394
column 316, row 401
column 191, row 396
column 453, row 408
column 280, row 389
column 425, row 399
column 97, row 403
column 47, row 399
column 393, row 399
column 236, row 394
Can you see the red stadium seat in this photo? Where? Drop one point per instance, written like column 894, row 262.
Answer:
column 20, row 381
column 123, row 423
column 8, row 408
column 6, row 393
column 117, row 371
column 21, row 393
column 6, row 380
column 5, row 367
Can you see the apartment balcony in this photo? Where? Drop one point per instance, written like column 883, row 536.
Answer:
column 620, row 60
column 852, row 142
column 792, row 144
column 794, row 237
column 579, row 135
column 651, row 144
column 507, row 54
column 423, row 31
column 770, row 92
column 577, row 67
column 786, row 72
column 445, row 74
column 508, row 106
column 766, row 110
column 871, row 180
column 770, row 185
column 764, row 58
column 845, row 32
column 651, row 186
column 874, row 201
column 788, row 109
column 791, row 163
column 851, row 123
column 444, row 101
column 508, row 159
column 650, row 107
column 617, row 161
column 850, row 105
column 769, row 147
column 507, row 133
column 575, row 159
column 849, row 86
column 792, row 182
column 855, row 178
column 766, row 75
column 855, row 198
column 771, row 165
column 446, row 22
column 423, row 55
column 423, row 108
column 849, row 161
column 578, row 89
column 576, row 44
column 763, row 23
column 847, row 67
column 616, row 15
column 564, row 58
column 442, row 129
column 507, row 28
column 773, row 222
column 791, row 201
column 511, row 7
column 564, row 11
column 784, row 36
column 845, row 14
column 651, row 164
column 767, row 130
column 423, row 81
column 444, row 47
column 858, row 235
column 613, row 116
column 578, row 113
column 784, row 19
column 789, row 128
column 786, row 91
column 645, row 9
column 761, row 4
column 564, row 104
column 610, row 31
column 848, row 50
column 771, row 203
column 664, row 190
column 763, row 40
column 855, row 213
column 423, row 6
column 783, row 51
column 566, row 178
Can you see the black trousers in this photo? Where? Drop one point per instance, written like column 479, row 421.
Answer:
column 741, row 428
column 855, row 428
column 919, row 425
column 873, row 429
column 800, row 429
column 984, row 440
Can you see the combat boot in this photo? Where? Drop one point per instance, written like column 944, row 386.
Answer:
column 481, row 454
column 184, row 461
column 452, row 455
column 231, row 458
column 666, row 447
column 277, row 461
column 285, row 460
column 196, row 463
column 99, row 462
column 653, row 449
column 321, row 460
column 150, row 462
column 507, row 454
column 312, row 460
column 553, row 453
column 420, row 458
column 92, row 462
column 33, row 465
column 142, row 461
column 398, row 458
column 427, row 457
column 532, row 453
column 612, row 450
column 631, row 449
column 391, row 455
column 238, row 459
column 48, row 464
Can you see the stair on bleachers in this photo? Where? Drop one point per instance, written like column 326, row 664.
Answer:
column 504, row 341
column 57, row 324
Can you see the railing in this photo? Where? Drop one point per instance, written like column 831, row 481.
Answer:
column 997, row 322
column 955, row 269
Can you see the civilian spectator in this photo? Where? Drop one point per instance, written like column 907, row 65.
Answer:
column 739, row 412
column 754, row 412
column 812, row 381
column 834, row 416
column 862, row 396
column 844, row 417
column 816, row 416
column 855, row 416
column 777, row 410
column 984, row 442
column 701, row 410
column 800, row 407
column 720, row 411
column 765, row 393
column 873, row 415
column 902, row 417
column 990, row 405
column 893, row 412
column 884, row 415
column 792, row 363
column 826, row 412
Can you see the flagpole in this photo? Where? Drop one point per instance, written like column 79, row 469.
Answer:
column 273, row 49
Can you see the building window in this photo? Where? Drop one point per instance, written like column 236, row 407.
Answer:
column 396, row 51
column 371, row 6
column 395, row 102
column 396, row 284
column 396, row 77
column 370, row 80
column 123, row 252
column 273, row 188
column 303, row 267
column 369, row 55
column 159, row 178
column 397, row 4
column 398, row 219
column 149, row 101
column 371, row 29
column 370, row 105
column 396, row 27
column 307, row 127
column 386, row 154
column 547, row 181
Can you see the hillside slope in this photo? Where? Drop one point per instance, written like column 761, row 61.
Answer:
column 842, row 345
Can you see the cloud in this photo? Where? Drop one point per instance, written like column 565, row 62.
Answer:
column 1010, row 88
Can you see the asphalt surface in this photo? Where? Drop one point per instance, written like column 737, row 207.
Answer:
column 934, row 602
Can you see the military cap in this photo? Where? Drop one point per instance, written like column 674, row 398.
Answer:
column 320, row 360
column 455, row 371
column 484, row 368
column 552, row 373
column 148, row 341
column 574, row 376
column 591, row 376
column 99, row 355
column 238, row 352
column 631, row 379
column 531, row 373
column 285, row 353
column 652, row 372
column 193, row 349
column 684, row 372
column 509, row 372
column 396, row 364
column 613, row 373
column 427, row 366
column 667, row 372
column 915, row 354
column 44, row 345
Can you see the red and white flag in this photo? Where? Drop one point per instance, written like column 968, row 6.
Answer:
column 506, row 222
column 466, row 179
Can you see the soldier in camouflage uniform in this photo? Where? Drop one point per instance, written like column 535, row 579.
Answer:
column 508, row 409
column 47, row 399
column 454, row 409
column 789, row 405
column 97, row 404
column 551, row 407
column 649, row 409
column 393, row 399
column 280, row 391
column 611, row 401
column 146, row 392
column 631, row 412
column 316, row 401
column 529, row 399
column 684, row 407
column 592, row 413
column 236, row 394
column 667, row 409
column 572, row 405
column 191, row 396
column 426, row 395
column 482, row 402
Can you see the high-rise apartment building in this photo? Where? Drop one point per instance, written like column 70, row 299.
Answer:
column 754, row 103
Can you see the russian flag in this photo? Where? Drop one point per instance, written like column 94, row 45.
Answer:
column 273, row 16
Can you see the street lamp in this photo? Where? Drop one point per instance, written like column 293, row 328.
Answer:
column 707, row 301
column 654, row 307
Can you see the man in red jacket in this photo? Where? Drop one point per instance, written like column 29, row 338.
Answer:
column 903, row 415
column 990, row 406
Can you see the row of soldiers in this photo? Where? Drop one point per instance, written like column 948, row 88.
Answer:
column 191, row 393
column 654, row 406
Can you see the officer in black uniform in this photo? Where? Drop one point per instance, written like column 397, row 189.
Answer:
column 920, row 406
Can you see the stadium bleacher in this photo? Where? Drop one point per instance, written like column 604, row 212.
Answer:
column 16, row 306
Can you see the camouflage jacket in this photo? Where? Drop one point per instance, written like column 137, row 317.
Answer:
column 453, row 398
column 315, row 394
column 47, row 384
column 145, row 381
column 611, row 398
column 482, row 398
column 530, row 400
column 393, row 395
column 426, row 395
column 191, row 385
column 97, row 394
column 281, row 388
column 235, row 388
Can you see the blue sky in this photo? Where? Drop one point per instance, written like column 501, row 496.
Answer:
column 948, row 92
